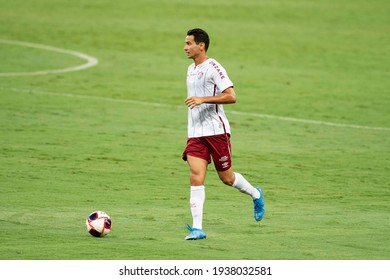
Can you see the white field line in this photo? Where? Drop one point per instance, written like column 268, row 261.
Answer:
column 290, row 119
column 146, row 103
column 91, row 61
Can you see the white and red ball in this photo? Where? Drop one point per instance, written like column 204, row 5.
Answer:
column 98, row 223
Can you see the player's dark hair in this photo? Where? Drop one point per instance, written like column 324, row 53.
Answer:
column 200, row 36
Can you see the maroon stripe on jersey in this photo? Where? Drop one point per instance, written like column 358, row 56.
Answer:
column 216, row 109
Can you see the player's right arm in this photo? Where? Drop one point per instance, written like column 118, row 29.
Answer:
column 228, row 96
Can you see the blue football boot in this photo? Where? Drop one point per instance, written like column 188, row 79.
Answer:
column 195, row 233
column 259, row 208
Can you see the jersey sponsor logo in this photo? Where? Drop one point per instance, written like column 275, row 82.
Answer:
column 216, row 66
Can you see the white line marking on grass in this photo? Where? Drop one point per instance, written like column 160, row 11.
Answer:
column 91, row 61
column 257, row 115
column 290, row 119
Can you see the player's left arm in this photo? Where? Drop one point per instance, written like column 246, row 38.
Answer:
column 226, row 97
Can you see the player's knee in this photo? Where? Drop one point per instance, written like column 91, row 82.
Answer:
column 196, row 179
column 227, row 179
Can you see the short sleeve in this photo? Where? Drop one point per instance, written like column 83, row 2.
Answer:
column 220, row 76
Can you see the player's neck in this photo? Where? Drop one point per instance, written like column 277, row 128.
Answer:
column 200, row 59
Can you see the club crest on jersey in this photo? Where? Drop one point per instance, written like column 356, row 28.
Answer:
column 200, row 75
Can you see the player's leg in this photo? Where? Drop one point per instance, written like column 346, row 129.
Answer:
column 238, row 181
column 198, row 169
column 221, row 153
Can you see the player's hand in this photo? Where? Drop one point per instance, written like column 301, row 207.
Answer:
column 193, row 101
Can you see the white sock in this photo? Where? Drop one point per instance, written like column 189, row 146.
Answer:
column 244, row 186
column 197, row 198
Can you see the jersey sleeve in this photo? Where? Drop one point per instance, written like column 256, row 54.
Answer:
column 220, row 77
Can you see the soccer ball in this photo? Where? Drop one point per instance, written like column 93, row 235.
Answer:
column 98, row 223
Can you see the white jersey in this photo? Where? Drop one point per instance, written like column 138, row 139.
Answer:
column 207, row 79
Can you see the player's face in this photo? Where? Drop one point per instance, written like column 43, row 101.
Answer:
column 191, row 48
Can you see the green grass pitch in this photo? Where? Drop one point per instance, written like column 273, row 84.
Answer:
column 110, row 137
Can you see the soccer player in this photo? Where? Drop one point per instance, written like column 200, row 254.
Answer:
column 209, row 87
